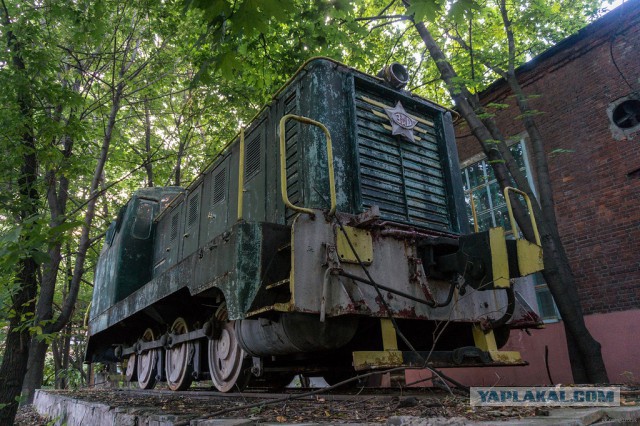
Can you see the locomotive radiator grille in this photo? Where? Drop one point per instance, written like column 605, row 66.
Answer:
column 293, row 153
column 405, row 179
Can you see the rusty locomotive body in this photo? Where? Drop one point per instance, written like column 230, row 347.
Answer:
column 331, row 225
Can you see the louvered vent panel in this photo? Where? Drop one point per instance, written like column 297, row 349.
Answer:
column 219, row 186
column 405, row 179
column 252, row 158
column 293, row 152
column 193, row 209
column 174, row 227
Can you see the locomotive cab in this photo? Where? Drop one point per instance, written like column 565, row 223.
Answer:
column 125, row 260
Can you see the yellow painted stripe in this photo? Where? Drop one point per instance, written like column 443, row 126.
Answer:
column 499, row 258
column 389, row 339
column 241, row 175
column 365, row 360
column 506, row 357
column 484, row 340
column 379, row 114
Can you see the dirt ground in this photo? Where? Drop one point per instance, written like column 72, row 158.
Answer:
column 27, row 416
column 375, row 408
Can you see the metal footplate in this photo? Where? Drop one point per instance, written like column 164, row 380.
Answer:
column 469, row 356
column 485, row 353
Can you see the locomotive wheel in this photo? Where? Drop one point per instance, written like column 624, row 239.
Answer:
column 178, row 360
column 229, row 365
column 131, row 373
column 147, row 363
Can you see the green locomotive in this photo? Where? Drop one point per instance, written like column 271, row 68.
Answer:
column 333, row 221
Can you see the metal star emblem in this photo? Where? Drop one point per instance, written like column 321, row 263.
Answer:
column 401, row 123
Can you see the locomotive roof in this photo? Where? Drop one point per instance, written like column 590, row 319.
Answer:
column 303, row 68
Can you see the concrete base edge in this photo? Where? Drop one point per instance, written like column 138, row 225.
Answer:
column 63, row 410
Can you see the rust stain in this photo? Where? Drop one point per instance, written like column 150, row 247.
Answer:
column 381, row 305
column 529, row 319
column 407, row 312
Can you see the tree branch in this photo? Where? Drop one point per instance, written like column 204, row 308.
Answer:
column 374, row 18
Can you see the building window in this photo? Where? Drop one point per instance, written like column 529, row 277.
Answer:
column 546, row 305
column 481, row 186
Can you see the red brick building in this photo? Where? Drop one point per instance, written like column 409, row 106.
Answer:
column 589, row 93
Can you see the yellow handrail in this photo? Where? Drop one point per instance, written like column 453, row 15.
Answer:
column 512, row 218
column 85, row 321
column 283, row 163
column 241, row 175
column 473, row 212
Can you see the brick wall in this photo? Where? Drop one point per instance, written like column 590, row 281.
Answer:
column 597, row 200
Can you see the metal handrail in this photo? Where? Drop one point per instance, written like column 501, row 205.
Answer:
column 529, row 206
column 283, row 163
column 474, row 213
column 241, row 175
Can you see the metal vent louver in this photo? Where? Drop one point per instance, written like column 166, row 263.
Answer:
column 193, row 209
column 252, row 164
column 219, row 184
column 404, row 179
column 174, row 227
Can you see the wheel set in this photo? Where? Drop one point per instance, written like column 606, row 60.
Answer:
column 229, row 365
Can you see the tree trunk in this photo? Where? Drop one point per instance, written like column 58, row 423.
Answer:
column 148, row 164
column 44, row 310
column 16, row 354
column 66, row 349
column 589, row 366
column 35, row 370
column 585, row 354
column 57, row 203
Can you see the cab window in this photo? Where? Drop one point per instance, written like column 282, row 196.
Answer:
column 141, row 227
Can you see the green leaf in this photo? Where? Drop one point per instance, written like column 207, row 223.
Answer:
column 64, row 227
column 425, row 10
column 532, row 113
column 12, row 236
column 40, row 257
column 460, row 8
column 559, row 151
column 497, row 105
